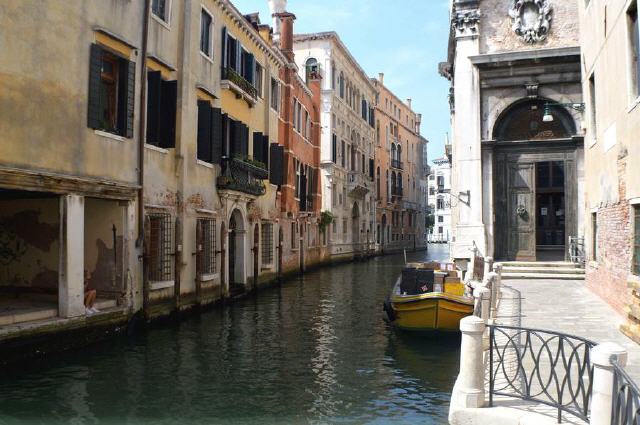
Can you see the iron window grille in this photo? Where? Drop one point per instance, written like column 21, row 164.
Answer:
column 161, row 264
column 267, row 243
column 207, row 248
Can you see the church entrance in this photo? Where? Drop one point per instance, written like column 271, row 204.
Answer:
column 550, row 211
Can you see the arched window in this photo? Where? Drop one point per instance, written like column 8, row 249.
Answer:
column 341, row 84
column 311, row 69
column 399, row 153
column 393, row 152
column 378, row 183
column 524, row 121
column 393, row 180
column 333, row 76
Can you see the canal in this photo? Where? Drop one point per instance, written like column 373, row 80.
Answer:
column 314, row 350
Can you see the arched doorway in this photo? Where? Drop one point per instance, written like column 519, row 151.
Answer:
column 223, row 259
column 355, row 223
column 237, row 236
column 535, row 181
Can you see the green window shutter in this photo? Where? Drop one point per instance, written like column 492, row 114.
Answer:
column 204, row 131
column 265, row 150
column 276, row 168
column 94, row 110
column 217, row 140
column 126, row 97
column 257, row 147
column 168, row 110
column 154, row 90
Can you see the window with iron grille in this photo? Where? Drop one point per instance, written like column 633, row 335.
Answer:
column 636, row 240
column 160, row 254
column 206, row 246
column 267, row 243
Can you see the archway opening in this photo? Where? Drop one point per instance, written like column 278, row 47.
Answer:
column 237, row 236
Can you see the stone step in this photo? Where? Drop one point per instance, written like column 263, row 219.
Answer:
column 105, row 304
column 551, row 270
column 558, row 276
column 561, row 264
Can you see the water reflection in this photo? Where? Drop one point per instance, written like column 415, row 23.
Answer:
column 315, row 350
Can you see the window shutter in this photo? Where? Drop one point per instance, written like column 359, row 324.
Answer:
column 217, row 140
column 224, row 48
column 126, row 97
column 257, row 147
column 265, row 150
column 334, row 149
column 154, row 90
column 276, row 169
column 168, row 105
column 95, row 68
column 233, row 130
column 204, row 131
column 371, row 168
column 244, row 140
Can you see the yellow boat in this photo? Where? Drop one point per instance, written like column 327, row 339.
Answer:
column 435, row 303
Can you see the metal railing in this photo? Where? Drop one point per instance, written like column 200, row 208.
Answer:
column 576, row 250
column 551, row 368
column 243, row 177
column 625, row 408
column 396, row 164
column 237, row 79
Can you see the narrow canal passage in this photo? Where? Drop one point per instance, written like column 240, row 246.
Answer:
column 314, row 350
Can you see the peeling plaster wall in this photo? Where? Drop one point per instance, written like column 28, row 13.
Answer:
column 35, row 224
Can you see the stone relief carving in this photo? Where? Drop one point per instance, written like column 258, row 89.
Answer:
column 466, row 22
column 531, row 19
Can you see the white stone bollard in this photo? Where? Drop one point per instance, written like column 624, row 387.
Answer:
column 482, row 295
column 493, row 309
column 602, row 393
column 488, row 265
column 468, row 391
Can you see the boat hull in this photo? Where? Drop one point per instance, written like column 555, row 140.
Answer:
column 430, row 312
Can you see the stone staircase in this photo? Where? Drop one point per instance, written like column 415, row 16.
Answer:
column 559, row 270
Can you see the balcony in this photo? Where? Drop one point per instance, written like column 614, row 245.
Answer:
column 242, row 88
column 306, row 204
column 396, row 164
column 409, row 205
column 243, row 176
column 357, row 184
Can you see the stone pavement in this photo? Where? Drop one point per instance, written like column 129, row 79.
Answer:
column 568, row 307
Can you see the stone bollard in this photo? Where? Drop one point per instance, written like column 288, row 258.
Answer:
column 602, row 393
column 493, row 309
column 488, row 265
column 468, row 391
column 482, row 308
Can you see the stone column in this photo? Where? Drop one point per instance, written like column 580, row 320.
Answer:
column 71, row 274
column 602, row 395
column 468, row 391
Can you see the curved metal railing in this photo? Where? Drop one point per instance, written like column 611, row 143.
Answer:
column 626, row 398
column 547, row 367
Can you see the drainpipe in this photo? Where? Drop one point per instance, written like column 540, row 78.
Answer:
column 141, row 135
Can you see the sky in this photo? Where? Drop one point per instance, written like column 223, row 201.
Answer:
column 404, row 39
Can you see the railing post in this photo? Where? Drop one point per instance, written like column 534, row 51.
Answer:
column 468, row 391
column 482, row 295
column 602, row 393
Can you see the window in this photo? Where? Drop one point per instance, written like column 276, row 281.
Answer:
column 161, row 110
column 344, row 226
column 206, row 246
column 111, row 92
column 294, row 239
column 341, row 82
column 267, row 243
column 344, row 154
column 594, row 236
column 159, row 247
column 440, row 203
column 440, row 219
column 259, row 78
column 160, row 8
column 592, row 107
column 634, row 35
column 334, row 148
column 209, row 136
column 205, row 33
column 636, row 240
column 440, row 230
column 334, row 194
column 275, row 94
column 311, row 69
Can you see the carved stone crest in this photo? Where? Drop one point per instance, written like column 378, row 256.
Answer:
column 531, row 19
column 466, row 22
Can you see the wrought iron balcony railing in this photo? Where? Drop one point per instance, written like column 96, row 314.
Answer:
column 237, row 79
column 242, row 176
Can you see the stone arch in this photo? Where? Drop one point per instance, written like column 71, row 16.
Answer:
column 237, row 248
column 523, row 120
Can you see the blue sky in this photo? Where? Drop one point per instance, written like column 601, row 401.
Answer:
column 405, row 39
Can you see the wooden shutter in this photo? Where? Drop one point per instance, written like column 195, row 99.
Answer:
column 95, row 69
column 257, row 147
column 217, row 141
column 265, row 150
column 168, row 106
column 244, row 140
column 371, row 168
column 233, row 129
column 154, row 90
column 204, row 131
column 126, row 97
column 224, row 49
column 276, row 169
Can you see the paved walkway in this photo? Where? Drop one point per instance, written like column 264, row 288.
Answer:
column 568, row 307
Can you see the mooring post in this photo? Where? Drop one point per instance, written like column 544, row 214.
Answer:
column 468, row 391
column 602, row 393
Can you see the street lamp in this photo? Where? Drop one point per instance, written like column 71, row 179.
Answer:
column 548, row 117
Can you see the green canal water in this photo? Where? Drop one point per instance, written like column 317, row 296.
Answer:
column 314, row 350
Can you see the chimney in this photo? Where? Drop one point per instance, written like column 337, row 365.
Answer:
column 285, row 23
column 381, row 77
column 409, row 103
column 277, row 6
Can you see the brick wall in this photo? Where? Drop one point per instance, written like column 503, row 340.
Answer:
column 608, row 278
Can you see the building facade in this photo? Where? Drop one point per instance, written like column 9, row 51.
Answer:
column 517, row 138
column 439, row 199
column 399, row 173
column 347, row 141
column 612, row 177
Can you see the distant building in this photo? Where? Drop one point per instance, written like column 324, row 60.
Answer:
column 439, row 199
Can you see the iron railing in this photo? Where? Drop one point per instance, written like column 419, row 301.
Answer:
column 237, row 79
column 547, row 367
column 243, row 177
column 576, row 250
column 626, row 398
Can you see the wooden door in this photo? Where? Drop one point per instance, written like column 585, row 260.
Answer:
column 521, row 211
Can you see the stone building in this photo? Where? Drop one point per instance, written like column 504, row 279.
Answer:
column 399, row 170
column 517, row 141
column 347, row 141
column 611, row 83
column 439, row 199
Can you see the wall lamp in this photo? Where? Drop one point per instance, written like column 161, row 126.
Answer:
column 548, row 116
